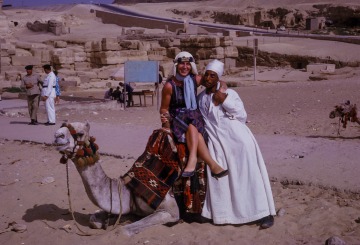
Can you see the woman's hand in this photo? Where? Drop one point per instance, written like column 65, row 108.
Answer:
column 165, row 119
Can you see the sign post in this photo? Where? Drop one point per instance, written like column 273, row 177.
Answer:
column 256, row 43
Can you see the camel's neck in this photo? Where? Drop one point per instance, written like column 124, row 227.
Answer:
column 104, row 191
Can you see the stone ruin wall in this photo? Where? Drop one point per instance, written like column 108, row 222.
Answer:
column 90, row 64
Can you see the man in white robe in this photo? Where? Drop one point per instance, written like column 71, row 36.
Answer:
column 245, row 194
column 48, row 95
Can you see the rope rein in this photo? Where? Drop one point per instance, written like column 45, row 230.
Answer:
column 86, row 157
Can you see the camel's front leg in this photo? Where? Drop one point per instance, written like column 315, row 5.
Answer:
column 167, row 212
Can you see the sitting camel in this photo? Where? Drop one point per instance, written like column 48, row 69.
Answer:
column 112, row 195
column 346, row 112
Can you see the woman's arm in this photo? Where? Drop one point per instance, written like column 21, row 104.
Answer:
column 165, row 104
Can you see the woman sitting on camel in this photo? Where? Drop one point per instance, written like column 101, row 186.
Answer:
column 180, row 112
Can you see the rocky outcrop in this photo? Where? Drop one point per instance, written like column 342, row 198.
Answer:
column 52, row 26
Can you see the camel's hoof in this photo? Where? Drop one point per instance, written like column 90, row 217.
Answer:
column 97, row 220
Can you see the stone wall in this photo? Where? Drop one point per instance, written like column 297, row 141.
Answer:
column 91, row 63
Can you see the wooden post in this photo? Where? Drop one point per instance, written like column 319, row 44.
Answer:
column 255, row 54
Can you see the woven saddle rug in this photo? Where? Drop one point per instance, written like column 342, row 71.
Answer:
column 156, row 170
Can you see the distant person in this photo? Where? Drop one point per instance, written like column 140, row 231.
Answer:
column 116, row 94
column 31, row 83
column 48, row 95
column 57, row 88
column 129, row 91
column 109, row 94
column 157, row 84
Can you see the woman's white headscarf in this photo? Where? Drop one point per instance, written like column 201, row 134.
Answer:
column 189, row 88
column 216, row 66
column 185, row 56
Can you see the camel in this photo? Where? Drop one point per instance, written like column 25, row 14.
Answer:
column 346, row 112
column 110, row 195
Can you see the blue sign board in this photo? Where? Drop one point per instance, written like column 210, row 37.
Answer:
column 141, row 71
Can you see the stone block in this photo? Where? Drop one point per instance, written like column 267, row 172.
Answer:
column 80, row 57
column 217, row 53
column 63, row 56
column 29, row 46
column 68, row 73
column 226, row 41
column 71, row 80
column 320, row 68
column 84, row 79
column 144, row 46
column 60, row 44
column 231, row 52
column 155, row 57
column 229, row 63
column 203, row 54
column 80, row 66
column 172, row 52
column 22, row 52
column 110, row 44
column 25, row 60
column 200, row 42
column 93, row 46
column 43, row 54
column 12, row 76
column 5, row 61
column 90, row 74
column 132, row 44
column 105, row 74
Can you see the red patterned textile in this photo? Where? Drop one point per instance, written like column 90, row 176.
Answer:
column 157, row 170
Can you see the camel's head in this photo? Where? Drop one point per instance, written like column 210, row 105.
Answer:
column 340, row 110
column 70, row 135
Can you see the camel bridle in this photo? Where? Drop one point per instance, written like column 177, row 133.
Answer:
column 78, row 156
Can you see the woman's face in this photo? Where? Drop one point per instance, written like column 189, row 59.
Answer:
column 184, row 68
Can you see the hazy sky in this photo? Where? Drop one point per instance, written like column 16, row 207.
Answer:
column 17, row 3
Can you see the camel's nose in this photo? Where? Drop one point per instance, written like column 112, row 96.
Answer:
column 332, row 114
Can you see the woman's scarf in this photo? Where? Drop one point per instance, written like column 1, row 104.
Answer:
column 189, row 91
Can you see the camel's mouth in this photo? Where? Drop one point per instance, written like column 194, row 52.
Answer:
column 61, row 146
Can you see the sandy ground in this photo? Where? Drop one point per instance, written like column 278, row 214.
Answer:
column 318, row 193
column 314, row 172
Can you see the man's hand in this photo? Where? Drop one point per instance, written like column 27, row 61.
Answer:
column 219, row 97
column 28, row 86
column 44, row 98
column 57, row 100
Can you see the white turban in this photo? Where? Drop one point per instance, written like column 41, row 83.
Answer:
column 216, row 66
column 185, row 56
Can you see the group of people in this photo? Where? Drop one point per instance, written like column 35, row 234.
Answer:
column 118, row 94
column 213, row 127
column 47, row 90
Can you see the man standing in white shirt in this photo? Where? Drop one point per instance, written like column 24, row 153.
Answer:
column 48, row 95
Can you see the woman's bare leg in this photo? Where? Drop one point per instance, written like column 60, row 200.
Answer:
column 192, row 140
column 204, row 154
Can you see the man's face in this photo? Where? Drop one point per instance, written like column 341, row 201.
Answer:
column 29, row 72
column 47, row 71
column 210, row 79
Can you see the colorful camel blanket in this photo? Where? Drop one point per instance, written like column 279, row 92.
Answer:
column 157, row 170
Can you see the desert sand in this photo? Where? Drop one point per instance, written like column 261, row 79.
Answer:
column 313, row 171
